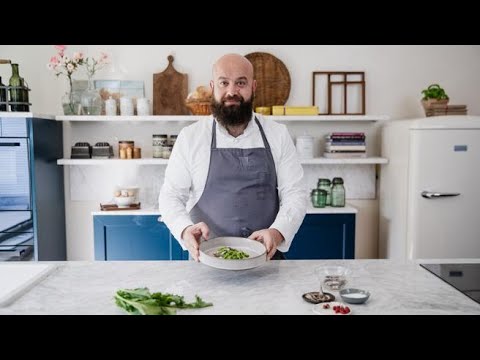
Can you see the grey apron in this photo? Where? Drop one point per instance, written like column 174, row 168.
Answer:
column 240, row 194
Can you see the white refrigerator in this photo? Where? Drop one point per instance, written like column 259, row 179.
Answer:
column 429, row 192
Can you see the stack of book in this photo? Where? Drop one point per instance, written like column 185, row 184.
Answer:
column 345, row 145
column 441, row 109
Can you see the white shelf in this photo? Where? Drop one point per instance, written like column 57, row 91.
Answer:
column 364, row 161
column 102, row 118
column 193, row 118
column 152, row 161
column 337, row 118
column 144, row 161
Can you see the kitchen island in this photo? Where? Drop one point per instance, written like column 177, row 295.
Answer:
column 275, row 288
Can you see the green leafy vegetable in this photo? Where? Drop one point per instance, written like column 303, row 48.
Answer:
column 141, row 302
column 231, row 253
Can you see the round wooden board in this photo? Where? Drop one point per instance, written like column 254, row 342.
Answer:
column 273, row 79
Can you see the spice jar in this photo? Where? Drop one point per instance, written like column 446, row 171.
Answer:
column 172, row 139
column 319, row 198
column 129, row 153
column 167, row 151
column 338, row 192
column 159, row 141
column 124, row 145
column 324, row 184
column 137, row 153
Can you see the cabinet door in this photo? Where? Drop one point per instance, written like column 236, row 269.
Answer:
column 177, row 252
column 131, row 238
column 329, row 236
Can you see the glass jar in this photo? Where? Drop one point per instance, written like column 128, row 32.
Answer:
column 338, row 192
column 91, row 100
column 319, row 198
column 159, row 141
column 324, row 184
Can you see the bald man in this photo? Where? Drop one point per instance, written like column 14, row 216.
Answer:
column 236, row 174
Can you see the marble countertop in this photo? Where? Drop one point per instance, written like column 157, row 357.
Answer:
column 275, row 288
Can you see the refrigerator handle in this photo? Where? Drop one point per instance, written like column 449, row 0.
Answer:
column 435, row 195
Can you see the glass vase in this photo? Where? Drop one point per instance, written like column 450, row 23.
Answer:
column 91, row 100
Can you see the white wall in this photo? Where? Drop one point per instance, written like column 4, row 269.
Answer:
column 395, row 76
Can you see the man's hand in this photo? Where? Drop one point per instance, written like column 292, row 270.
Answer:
column 192, row 235
column 271, row 238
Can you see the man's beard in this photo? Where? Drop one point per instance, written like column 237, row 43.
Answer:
column 232, row 115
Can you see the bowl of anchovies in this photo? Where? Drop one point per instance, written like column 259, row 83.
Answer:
column 232, row 253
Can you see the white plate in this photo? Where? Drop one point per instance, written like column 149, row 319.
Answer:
column 256, row 250
column 318, row 309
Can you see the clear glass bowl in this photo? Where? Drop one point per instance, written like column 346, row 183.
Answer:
column 333, row 277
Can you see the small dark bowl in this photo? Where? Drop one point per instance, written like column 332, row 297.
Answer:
column 354, row 296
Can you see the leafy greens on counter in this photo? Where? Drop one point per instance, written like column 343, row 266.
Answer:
column 141, row 302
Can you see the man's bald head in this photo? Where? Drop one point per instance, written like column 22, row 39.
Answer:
column 233, row 62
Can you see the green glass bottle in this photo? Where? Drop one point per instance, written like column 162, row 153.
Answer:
column 3, row 96
column 17, row 91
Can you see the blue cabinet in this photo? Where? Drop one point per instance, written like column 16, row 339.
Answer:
column 324, row 236
column 127, row 237
column 142, row 237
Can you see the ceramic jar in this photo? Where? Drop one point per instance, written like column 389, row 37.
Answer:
column 126, row 106
column 143, row 107
column 111, row 107
column 305, row 146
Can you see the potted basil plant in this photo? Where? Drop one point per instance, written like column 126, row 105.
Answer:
column 434, row 94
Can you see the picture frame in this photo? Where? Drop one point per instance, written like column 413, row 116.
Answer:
column 114, row 88
column 343, row 92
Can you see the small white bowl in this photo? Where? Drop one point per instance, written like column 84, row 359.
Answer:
column 354, row 296
column 124, row 201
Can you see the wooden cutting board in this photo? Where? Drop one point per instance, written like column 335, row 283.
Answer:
column 273, row 79
column 170, row 89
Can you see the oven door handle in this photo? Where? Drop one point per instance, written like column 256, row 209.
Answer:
column 9, row 144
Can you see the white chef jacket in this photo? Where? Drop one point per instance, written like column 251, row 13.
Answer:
column 187, row 171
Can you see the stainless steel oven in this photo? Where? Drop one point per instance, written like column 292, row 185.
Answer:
column 16, row 211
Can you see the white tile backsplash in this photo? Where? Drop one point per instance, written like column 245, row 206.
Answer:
column 98, row 183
